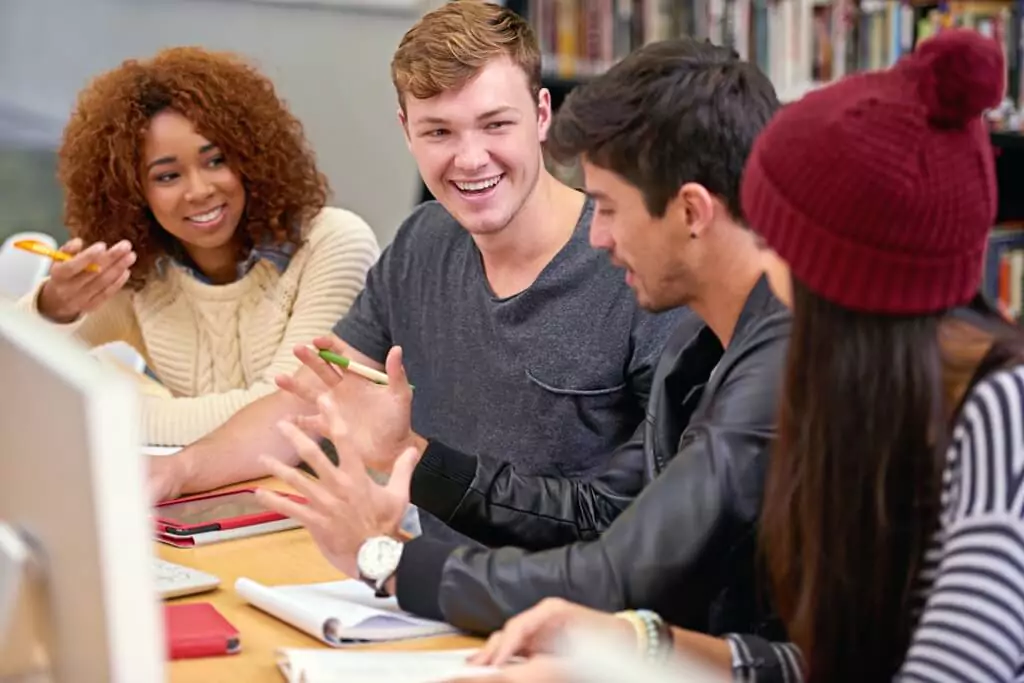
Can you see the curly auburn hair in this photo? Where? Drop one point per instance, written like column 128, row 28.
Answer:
column 229, row 103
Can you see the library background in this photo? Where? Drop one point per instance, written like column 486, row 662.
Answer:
column 802, row 44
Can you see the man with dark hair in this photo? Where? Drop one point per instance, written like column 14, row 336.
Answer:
column 662, row 138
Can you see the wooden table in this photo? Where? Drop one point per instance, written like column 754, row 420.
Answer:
column 279, row 558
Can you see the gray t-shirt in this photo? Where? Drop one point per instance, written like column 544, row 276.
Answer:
column 551, row 379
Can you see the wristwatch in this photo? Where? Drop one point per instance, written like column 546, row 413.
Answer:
column 377, row 562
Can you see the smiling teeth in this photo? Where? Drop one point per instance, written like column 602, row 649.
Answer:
column 479, row 184
column 206, row 217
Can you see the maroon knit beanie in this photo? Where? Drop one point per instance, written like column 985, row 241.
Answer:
column 879, row 190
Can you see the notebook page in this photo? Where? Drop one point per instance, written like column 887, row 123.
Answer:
column 350, row 602
column 160, row 450
column 277, row 604
column 339, row 610
column 327, row 666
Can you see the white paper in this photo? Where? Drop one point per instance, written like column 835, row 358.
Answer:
column 330, row 666
column 276, row 604
column 160, row 450
column 339, row 611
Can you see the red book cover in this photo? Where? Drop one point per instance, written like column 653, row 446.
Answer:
column 199, row 630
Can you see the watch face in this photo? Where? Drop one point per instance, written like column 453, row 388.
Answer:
column 378, row 557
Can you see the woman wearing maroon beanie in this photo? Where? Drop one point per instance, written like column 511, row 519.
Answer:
column 893, row 525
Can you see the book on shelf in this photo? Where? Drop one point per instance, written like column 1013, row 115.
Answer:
column 339, row 612
column 1003, row 281
column 799, row 44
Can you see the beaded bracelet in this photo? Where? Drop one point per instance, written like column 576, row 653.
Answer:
column 661, row 642
column 653, row 636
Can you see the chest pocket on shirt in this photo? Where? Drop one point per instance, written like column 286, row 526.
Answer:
column 597, row 404
column 565, row 391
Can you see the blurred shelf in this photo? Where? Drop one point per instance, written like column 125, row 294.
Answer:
column 559, row 87
column 1007, row 140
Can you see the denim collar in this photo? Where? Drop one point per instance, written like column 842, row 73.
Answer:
column 278, row 255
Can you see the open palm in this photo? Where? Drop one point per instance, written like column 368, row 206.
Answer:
column 378, row 419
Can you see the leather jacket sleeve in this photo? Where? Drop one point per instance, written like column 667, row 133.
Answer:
column 686, row 536
column 488, row 500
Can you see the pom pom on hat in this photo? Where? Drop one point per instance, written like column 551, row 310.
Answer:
column 879, row 190
column 963, row 74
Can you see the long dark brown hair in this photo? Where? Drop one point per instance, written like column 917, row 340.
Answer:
column 852, row 496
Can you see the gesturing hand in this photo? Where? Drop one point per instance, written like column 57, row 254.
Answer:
column 316, row 376
column 533, row 631
column 345, row 506
column 383, row 429
column 73, row 288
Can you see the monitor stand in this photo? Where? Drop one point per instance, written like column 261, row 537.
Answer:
column 24, row 611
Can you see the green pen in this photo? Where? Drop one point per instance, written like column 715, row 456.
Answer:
column 375, row 376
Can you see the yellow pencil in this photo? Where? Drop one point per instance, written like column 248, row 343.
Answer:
column 35, row 247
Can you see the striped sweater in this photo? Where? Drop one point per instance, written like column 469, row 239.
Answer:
column 216, row 348
column 972, row 584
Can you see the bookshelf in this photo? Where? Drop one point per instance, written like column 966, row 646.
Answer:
column 801, row 45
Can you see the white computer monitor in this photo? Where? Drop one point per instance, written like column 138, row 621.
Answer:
column 72, row 486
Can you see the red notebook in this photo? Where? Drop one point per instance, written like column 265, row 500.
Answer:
column 199, row 630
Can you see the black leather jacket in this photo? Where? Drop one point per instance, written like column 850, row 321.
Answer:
column 670, row 524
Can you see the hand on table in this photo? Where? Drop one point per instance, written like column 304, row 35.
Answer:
column 166, row 477
column 536, row 670
column 73, row 289
column 382, row 428
column 345, row 507
column 533, row 631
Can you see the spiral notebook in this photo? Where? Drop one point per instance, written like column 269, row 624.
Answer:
column 339, row 612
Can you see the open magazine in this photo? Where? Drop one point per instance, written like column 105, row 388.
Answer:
column 339, row 612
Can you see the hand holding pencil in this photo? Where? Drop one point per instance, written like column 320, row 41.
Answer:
column 380, row 403
column 83, row 278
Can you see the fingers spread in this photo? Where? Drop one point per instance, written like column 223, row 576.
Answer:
column 401, row 473
column 101, row 292
column 86, row 257
column 275, row 502
column 72, row 246
column 397, row 379
column 94, row 285
column 304, row 385
column 338, row 430
column 485, row 655
column 328, row 373
column 330, row 343
column 312, row 425
column 316, row 494
column 309, row 451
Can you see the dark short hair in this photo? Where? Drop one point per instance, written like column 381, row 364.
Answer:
column 670, row 113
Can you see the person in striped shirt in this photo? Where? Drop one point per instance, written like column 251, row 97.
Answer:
column 893, row 523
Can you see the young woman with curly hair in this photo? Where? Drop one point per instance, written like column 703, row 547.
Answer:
column 192, row 188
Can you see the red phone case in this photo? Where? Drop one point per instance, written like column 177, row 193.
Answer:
column 198, row 630
column 166, row 525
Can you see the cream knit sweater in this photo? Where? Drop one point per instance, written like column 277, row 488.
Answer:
column 217, row 348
